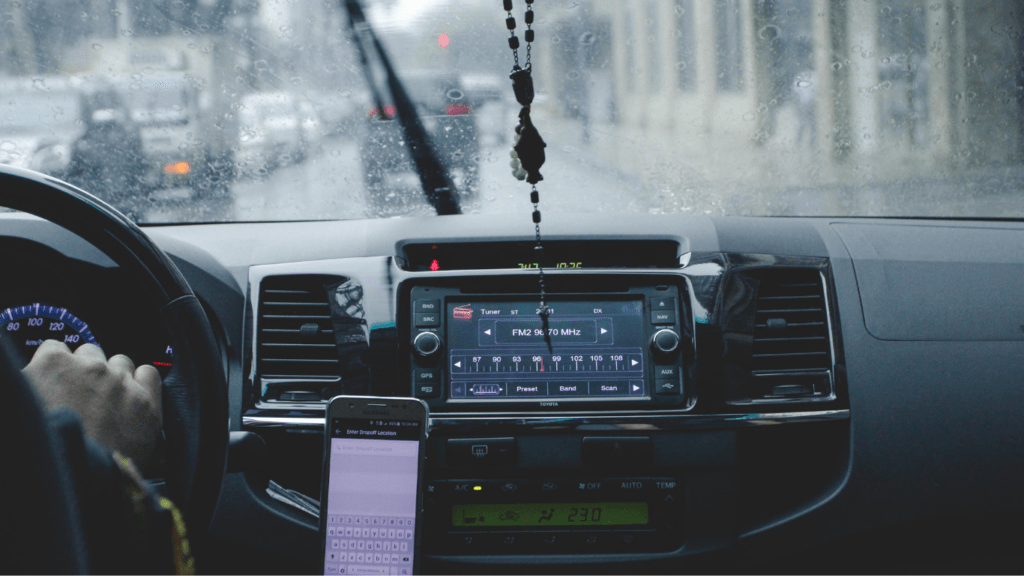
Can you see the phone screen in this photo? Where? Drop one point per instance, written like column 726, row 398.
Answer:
column 371, row 496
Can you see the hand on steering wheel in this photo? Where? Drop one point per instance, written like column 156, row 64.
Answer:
column 119, row 403
column 194, row 393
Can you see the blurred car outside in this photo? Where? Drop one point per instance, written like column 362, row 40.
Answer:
column 107, row 158
column 496, row 110
column 166, row 109
column 312, row 128
column 447, row 113
column 338, row 110
column 40, row 119
column 270, row 132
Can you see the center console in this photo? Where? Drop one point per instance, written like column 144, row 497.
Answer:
column 621, row 347
column 589, row 437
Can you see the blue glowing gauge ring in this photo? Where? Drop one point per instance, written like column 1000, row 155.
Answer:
column 28, row 326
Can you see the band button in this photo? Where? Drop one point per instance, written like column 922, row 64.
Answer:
column 427, row 306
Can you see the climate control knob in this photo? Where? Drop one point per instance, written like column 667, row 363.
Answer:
column 426, row 344
column 665, row 342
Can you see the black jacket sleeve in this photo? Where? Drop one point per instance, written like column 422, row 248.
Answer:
column 128, row 528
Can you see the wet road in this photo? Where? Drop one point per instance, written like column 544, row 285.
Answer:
column 329, row 185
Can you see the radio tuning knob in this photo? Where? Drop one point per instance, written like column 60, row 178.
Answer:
column 426, row 344
column 665, row 342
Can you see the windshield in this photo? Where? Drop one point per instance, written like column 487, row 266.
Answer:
column 27, row 112
column 257, row 110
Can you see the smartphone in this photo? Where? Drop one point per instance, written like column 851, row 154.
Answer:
column 370, row 499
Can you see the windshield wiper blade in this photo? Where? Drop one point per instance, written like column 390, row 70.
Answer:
column 434, row 178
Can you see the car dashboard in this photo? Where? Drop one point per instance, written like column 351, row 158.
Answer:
column 715, row 394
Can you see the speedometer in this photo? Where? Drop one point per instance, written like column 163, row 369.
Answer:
column 31, row 324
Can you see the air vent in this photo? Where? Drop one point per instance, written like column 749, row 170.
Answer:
column 296, row 353
column 791, row 327
column 791, row 356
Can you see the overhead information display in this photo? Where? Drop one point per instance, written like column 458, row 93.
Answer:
column 557, row 254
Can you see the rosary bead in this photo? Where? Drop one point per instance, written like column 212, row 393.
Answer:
column 510, row 22
column 534, row 197
column 513, row 42
column 508, row 5
column 514, row 163
column 536, row 216
column 529, row 16
column 513, row 153
column 529, row 35
column 519, row 173
column 528, row 2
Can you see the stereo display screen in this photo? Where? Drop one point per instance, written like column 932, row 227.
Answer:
column 498, row 350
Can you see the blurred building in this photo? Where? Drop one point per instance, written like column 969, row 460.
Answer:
column 789, row 90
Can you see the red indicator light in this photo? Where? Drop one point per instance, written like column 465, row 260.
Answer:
column 389, row 111
column 162, row 363
column 458, row 109
column 435, row 266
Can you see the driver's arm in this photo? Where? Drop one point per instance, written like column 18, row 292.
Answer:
column 105, row 415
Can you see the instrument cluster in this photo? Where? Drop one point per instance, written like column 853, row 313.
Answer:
column 77, row 302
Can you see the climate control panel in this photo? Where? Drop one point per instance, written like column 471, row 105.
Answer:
column 594, row 515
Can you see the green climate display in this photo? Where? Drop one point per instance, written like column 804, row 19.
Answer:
column 572, row 514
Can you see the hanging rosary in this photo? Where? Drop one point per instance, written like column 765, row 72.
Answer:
column 528, row 151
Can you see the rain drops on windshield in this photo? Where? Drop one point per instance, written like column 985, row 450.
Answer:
column 235, row 110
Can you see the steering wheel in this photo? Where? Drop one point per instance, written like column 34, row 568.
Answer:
column 195, row 412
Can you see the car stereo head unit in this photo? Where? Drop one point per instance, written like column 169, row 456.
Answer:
column 622, row 350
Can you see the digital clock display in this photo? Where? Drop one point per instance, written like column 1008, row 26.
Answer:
column 557, row 265
column 581, row 514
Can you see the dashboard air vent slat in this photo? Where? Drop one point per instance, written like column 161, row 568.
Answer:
column 295, row 341
column 790, row 330
column 791, row 351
